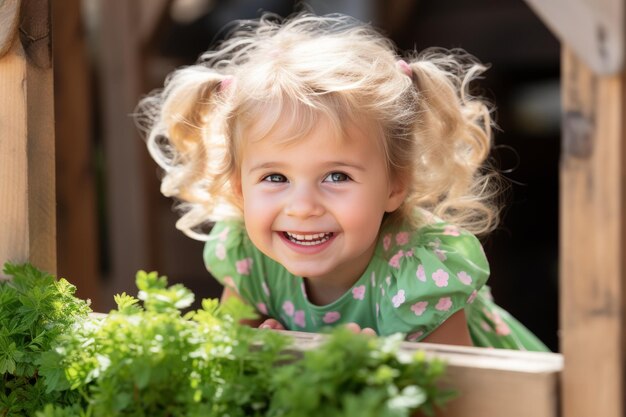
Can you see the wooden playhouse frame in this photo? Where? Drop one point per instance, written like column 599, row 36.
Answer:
column 586, row 379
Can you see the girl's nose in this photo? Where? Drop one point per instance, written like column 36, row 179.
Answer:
column 303, row 203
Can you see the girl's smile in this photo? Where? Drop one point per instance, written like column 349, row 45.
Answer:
column 308, row 243
column 315, row 204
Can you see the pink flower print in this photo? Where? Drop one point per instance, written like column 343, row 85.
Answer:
column 398, row 299
column 441, row 254
column 502, row 329
column 464, row 277
column 419, row 307
column 388, row 281
column 440, row 277
column 387, row 241
column 229, row 282
column 299, row 319
column 485, row 326
column 220, row 251
column 288, row 308
column 266, row 289
column 402, row 238
column 421, row 274
column 358, row 292
column 414, row 336
column 472, row 297
column 223, row 234
column 409, row 253
column 444, row 304
column 331, row 317
column 243, row 266
column 395, row 259
column 451, row 231
column 262, row 308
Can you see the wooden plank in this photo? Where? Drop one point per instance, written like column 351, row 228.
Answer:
column 490, row 382
column 14, row 242
column 593, row 29
column 150, row 14
column 592, row 241
column 35, row 35
column 27, row 213
column 127, row 210
column 77, row 239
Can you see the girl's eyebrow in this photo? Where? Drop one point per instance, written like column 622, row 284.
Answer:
column 267, row 165
column 327, row 165
column 339, row 164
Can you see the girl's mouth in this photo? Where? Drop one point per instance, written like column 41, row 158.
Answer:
column 308, row 239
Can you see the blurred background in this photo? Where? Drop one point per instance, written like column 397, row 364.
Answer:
column 112, row 219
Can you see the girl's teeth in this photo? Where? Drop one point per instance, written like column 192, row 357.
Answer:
column 308, row 240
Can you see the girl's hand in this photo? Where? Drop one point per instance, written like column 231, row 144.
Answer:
column 355, row 328
column 272, row 324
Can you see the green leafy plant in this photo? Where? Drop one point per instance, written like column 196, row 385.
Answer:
column 35, row 310
column 355, row 375
column 147, row 358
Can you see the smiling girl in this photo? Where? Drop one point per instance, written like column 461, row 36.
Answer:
column 345, row 184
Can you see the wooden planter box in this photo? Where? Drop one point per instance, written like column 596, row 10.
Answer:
column 489, row 382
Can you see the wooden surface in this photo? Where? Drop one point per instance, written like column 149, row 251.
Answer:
column 491, row 382
column 77, row 251
column 128, row 214
column 592, row 241
column 27, row 212
column 592, row 29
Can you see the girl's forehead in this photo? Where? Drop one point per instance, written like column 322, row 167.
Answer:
column 289, row 123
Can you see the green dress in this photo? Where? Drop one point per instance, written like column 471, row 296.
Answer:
column 414, row 282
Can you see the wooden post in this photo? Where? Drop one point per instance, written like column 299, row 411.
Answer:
column 124, row 29
column 592, row 241
column 27, row 210
column 127, row 210
column 75, row 159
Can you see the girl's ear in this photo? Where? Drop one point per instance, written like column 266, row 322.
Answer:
column 235, row 185
column 397, row 193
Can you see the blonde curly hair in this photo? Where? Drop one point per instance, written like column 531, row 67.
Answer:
column 436, row 136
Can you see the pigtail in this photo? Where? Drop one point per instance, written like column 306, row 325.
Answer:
column 453, row 135
column 184, row 128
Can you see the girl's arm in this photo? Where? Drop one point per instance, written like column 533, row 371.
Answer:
column 453, row 331
column 228, row 293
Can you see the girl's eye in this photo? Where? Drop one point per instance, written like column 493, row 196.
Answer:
column 337, row 177
column 275, row 178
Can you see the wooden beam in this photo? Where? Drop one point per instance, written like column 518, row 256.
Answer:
column 490, row 382
column 78, row 258
column 125, row 154
column 592, row 29
column 27, row 212
column 150, row 14
column 592, row 241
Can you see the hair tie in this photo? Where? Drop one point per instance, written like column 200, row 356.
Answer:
column 404, row 67
column 226, row 83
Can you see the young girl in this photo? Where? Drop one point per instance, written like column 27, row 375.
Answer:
column 345, row 183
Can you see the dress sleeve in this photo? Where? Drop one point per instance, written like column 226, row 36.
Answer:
column 234, row 261
column 433, row 273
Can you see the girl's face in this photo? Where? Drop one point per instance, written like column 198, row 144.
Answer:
column 315, row 205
